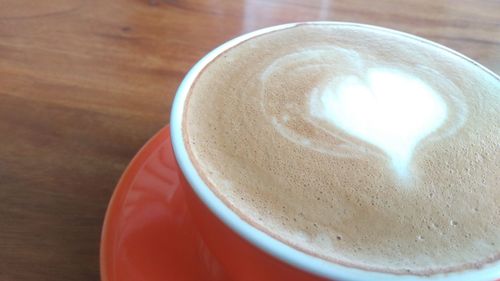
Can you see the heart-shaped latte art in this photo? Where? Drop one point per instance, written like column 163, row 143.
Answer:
column 389, row 109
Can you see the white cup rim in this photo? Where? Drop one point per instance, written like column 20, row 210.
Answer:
column 264, row 241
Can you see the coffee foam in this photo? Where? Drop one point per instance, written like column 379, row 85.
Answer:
column 385, row 110
column 407, row 183
column 380, row 106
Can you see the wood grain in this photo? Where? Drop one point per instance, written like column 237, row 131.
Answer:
column 83, row 84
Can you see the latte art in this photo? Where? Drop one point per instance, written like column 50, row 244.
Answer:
column 360, row 146
column 384, row 107
column 390, row 110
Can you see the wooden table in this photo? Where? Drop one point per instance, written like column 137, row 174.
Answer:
column 84, row 83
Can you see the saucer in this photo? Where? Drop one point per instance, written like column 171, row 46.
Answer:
column 148, row 233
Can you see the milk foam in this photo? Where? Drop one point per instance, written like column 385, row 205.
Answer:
column 359, row 146
column 387, row 108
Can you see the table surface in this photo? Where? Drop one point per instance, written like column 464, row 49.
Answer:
column 84, row 83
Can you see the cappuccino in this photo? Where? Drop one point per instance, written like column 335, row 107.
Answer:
column 359, row 145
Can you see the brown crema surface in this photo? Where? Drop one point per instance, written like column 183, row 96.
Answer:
column 250, row 133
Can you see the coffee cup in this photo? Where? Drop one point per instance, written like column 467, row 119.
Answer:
column 342, row 151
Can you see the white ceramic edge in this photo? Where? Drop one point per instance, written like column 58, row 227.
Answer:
column 258, row 238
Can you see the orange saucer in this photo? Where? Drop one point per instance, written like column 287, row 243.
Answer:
column 148, row 233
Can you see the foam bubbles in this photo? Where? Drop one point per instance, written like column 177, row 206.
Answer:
column 387, row 108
